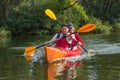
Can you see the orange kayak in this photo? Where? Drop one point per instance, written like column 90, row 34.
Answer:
column 53, row 53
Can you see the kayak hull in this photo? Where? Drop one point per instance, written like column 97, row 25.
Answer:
column 53, row 53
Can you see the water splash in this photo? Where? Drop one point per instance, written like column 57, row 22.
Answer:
column 38, row 56
column 107, row 48
column 78, row 57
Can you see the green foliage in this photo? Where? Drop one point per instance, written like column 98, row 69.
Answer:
column 4, row 32
column 106, row 10
column 71, row 12
column 27, row 17
column 116, row 25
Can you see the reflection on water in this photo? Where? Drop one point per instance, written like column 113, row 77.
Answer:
column 62, row 70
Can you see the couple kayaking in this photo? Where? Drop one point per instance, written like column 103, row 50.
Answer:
column 67, row 38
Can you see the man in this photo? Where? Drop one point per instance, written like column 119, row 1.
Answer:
column 61, row 38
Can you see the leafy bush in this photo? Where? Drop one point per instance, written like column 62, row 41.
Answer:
column 4, row 32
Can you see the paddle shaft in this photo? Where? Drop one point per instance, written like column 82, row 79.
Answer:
column 59, row 22
column 82, row 46
column 84, row 49
column 52, row 41
column 59, row 39
column 30, row 50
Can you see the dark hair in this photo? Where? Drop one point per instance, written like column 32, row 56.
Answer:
column 64, row 25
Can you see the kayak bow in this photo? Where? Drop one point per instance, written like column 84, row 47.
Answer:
column 53, row 53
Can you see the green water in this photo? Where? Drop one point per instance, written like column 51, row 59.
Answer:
column 104, row 66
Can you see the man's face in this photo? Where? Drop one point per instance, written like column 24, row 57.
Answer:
column 64, row 30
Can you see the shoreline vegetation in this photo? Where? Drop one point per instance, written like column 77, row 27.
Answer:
column 22, row 18
column 103, row 29
column 4, row 33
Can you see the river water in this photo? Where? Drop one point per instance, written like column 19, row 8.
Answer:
column 103, row 66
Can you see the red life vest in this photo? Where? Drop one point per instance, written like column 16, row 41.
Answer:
column 74, row 42
column 62, row 43
column 79, row 39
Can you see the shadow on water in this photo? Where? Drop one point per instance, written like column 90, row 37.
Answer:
column 104, row 66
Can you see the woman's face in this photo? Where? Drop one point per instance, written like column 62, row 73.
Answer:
column 64, row 30
column 71, row 30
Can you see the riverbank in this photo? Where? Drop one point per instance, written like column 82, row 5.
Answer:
column 99, row 30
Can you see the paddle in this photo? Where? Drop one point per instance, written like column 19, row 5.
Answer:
column 83, row 29
column 86, row 28
column 51, row 14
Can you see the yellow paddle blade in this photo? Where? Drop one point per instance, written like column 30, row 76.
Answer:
column 30, row 50
column 87, row 28
column 51, row 14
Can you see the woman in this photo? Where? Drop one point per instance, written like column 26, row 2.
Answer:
column 76, row 39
